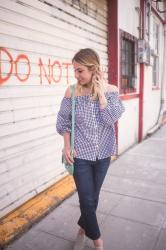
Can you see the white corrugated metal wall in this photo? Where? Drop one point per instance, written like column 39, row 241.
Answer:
column 37, row 42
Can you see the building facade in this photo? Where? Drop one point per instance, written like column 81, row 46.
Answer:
column 137, row 63
column 37, row 42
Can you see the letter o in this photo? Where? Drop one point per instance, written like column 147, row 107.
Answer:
column 19, row 57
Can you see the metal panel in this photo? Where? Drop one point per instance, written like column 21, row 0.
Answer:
column 38, row 41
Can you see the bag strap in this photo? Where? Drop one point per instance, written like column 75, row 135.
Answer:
column 72, row 87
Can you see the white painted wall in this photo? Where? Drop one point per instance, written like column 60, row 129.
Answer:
column 128, row 17
column 151, row 102
column 128, row 21
column 152, row 96
column 30, row 148
column 128, row 126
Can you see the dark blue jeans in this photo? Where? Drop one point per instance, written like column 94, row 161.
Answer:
column 89, row 177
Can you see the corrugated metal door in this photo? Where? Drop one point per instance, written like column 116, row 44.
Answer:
column 37, row 41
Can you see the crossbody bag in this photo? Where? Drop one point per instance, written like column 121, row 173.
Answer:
column 70, row 168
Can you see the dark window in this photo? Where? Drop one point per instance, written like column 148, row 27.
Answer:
column 155, row 71
column 155, row 36
column 128, row 63
column 155, row 76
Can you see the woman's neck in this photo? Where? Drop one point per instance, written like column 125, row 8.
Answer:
column 86, row 91
column 82, row 90
column 87, row 88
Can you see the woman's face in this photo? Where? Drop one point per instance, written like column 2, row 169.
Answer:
column 82, row 73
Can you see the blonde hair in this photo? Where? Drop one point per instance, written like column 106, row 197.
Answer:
column 89, row 58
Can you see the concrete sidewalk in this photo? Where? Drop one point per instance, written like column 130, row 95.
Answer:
column 132, row 208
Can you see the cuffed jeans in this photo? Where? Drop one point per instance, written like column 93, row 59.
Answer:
column 89, row 177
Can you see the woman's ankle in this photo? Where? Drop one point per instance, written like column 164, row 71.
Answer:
column 81, row 231
column 98, row 242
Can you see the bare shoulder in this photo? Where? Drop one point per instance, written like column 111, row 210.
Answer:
column 111, row 88
column 68, row 92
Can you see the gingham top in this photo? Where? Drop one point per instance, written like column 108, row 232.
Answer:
column 94, row 127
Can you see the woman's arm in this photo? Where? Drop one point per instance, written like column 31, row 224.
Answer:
column 67, row 149
column 64, row 124
column 113, row 110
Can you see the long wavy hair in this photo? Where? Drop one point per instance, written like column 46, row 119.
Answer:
column 89, row 58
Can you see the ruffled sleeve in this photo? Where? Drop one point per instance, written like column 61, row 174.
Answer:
column 114, row 109
column 63, row 123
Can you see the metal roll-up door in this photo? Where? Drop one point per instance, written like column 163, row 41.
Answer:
column 37, row 41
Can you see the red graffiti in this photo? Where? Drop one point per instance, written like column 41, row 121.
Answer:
column 50, row 75
column 4, row 79
column 52, row 71
column 12, row 68
column 16, row 67
column 56, row 63
column 67, row 70
column 47, row 75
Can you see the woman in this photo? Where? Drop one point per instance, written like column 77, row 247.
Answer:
column 98, row 108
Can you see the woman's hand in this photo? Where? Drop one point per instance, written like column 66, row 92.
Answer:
column 98, row 83
column 69, row 155
column 99, row 89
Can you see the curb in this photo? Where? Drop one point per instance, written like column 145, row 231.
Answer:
column 23, row 217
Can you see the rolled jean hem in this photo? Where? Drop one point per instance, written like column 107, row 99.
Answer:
column 90, row 236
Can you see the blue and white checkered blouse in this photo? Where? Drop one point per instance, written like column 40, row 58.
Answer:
column 94, row 127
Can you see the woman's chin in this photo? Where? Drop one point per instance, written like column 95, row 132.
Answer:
column 84, row 84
